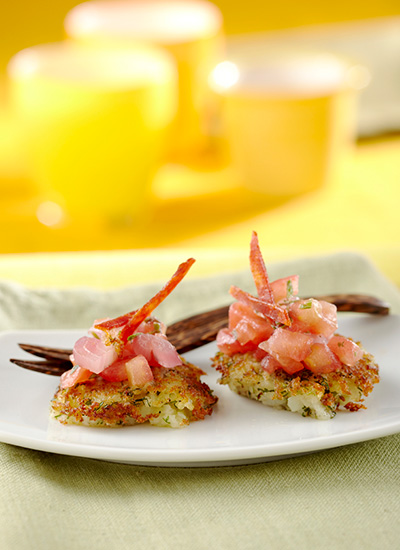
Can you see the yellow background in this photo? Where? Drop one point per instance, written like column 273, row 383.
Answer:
column 203, row 210
column 24, row 23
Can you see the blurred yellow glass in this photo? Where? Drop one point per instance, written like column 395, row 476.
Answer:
column 190, row 30
column 287, row 116
column 95, row 124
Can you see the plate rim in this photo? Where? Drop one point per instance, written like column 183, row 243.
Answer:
column 190, row 457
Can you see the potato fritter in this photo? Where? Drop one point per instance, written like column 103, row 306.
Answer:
column 173, row 399
column 315, row 395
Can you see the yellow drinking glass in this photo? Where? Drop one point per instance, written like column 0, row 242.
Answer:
column 191, row 31
column 95, row 123
column 288, row 115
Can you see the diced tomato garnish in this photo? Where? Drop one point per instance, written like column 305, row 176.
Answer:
column 270, row 364
column 107, row 351
column 298, row 331
column 134, row 368
column 269, row 309
column 317, row 317
column 285, row 344
column 321, row 359
column 259, row 354
column 247, row 325
column 76, row 375
column 229, row 344
column 290, row 366
column 285, row 288
column 138, row 371
column 346, row 350
column 288, row 348
column 117, row 371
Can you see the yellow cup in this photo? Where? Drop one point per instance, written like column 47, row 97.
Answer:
column 95, row 123
column 287, row 116
column 190, row 31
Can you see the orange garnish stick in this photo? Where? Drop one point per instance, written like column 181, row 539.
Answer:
column 274, row 312
column 131, row 321
column 259, row 271
column 118, row 322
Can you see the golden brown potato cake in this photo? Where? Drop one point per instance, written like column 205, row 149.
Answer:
column 173, row 399
column 316, row 395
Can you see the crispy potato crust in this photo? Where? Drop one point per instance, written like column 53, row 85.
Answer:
column 173, row 399
column 316, row 395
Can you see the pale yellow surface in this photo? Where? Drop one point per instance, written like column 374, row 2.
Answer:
column 25, row 23
column 201, row 210
column 357, row 210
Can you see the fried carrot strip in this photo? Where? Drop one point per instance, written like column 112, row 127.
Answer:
column 130, row 321
column 268, row 309
column 259, row 271
column 118, row 322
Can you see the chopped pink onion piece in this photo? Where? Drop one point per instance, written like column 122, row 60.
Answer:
column 156, row 349
column 92, row 354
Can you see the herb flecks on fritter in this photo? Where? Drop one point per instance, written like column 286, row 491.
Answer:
column 316, row 395
column 127, row 372
column 284, row 351
column 174, row 398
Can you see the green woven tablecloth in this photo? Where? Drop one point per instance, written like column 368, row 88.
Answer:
column 347, row 497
